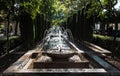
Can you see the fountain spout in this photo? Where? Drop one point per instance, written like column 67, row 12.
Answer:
column 59, row 49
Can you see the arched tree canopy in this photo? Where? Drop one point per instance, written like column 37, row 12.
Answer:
column 58, row 11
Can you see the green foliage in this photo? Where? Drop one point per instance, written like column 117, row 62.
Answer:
column 59, row 11
column 102, row 9
column 54, row 10
column 108, row 4
column 5, row 6
column 32, row 7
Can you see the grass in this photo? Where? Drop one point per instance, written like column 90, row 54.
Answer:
column 102, row 37
column 10, row 38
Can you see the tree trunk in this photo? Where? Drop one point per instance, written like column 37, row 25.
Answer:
column 42, row 26
column 79, row 30
column 26, row 28
column 38, row 28
column 82, row 22
column 16, row 27
column 74, row 25
column 89, row 31
column 102, row 28
column 116, row 29
column 7, row 32
column 88, row 22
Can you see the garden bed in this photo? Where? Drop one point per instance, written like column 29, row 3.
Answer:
column 14, row 41
column 107, row 42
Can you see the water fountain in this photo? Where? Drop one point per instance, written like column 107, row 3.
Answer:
column 56, row 53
